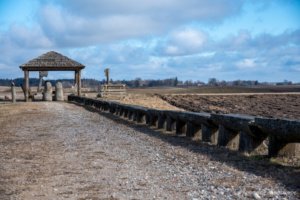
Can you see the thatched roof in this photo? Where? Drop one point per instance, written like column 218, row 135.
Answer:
column 51, row 61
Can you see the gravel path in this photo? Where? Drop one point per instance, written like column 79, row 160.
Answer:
column 64, row 151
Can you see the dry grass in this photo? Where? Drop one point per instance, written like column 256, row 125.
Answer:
column 145, row 100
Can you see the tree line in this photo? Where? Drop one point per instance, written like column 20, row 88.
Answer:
column 139, row 82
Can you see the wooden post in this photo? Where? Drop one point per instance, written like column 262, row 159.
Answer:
column 13, row 92
column 106, row 71
column 75, row 78
column 78, row 82
column 26, row 85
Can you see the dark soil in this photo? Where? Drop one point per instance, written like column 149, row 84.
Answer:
column 267, row 105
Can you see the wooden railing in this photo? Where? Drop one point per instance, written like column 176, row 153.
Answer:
column 112, row 90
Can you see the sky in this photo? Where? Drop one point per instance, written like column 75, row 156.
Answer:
column 156, row 39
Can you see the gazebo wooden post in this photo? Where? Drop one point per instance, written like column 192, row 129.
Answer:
column 75, row 79
column 78, row 81
column 26, row 85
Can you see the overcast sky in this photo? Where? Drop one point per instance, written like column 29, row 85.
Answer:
column 156, row 39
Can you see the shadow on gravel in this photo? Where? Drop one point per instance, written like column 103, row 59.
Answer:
column 289, row 176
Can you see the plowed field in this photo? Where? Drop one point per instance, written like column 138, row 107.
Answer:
column 268, row 105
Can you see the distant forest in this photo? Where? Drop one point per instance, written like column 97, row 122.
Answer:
column 138, row 82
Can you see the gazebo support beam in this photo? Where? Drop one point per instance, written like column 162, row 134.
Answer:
column 75, row 79
column 26, row 85
column 78, row 81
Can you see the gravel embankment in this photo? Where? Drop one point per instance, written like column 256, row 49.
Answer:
column 63, row 151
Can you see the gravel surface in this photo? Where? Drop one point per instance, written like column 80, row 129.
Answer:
column 64, row 151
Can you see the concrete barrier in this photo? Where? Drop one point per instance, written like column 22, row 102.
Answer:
column 198, row 123
column 235, row 133
column 247, row 134
column 284, row 135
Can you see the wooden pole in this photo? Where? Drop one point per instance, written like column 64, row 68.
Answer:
column 13, row 92
column 76, row 80
column 26, row 85
column 79, row 83
column 75, row 77
column 106, row 71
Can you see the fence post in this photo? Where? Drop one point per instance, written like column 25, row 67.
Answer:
column 13, row 92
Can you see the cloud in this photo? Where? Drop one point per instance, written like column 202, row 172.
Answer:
column 166, row 10
column 187, row 41
column 19, row 44
column 242, row 56
column 246, row 63
column 83, row 23
column 68, row 29
column 28, row 37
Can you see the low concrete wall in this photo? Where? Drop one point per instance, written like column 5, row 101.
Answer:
column 247, row 134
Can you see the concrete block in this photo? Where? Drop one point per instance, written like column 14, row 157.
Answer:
column 152, row 118
column 162, row 121
column 227, row 137
column 209, row 133
column 141, row 117
column 47, row 95
column 171, row 124
column 239, row 132
column 59, row 92
column 181, row 127
column 284, row 135
column 192, row 129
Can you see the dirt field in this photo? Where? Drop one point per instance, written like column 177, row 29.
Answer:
column 52, row 150
column 214, row 90
column 268, row 105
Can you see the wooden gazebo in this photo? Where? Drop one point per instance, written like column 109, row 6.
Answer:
column 51, row 61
